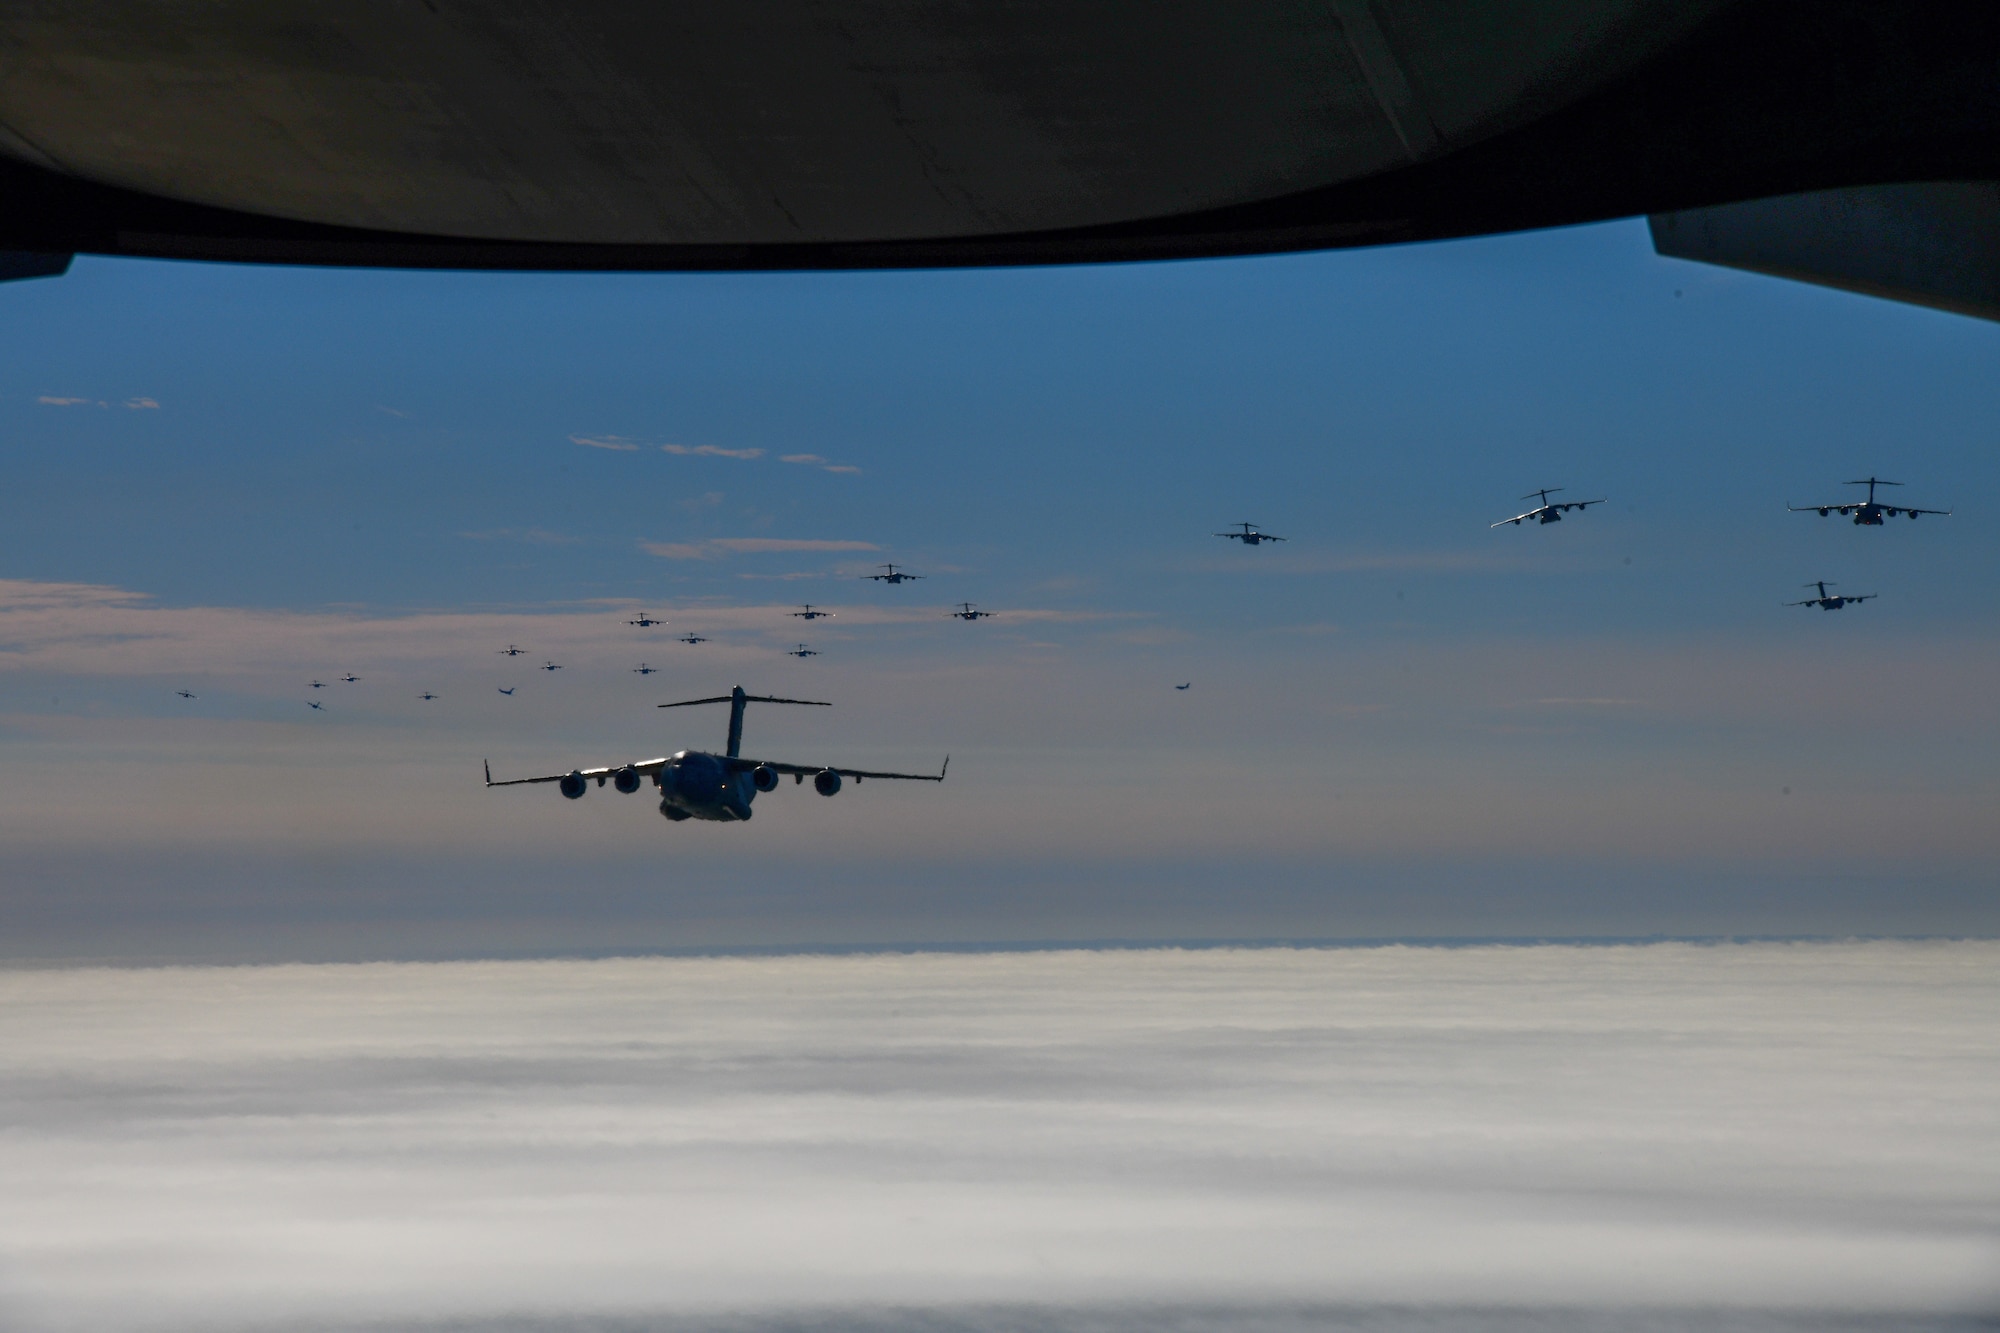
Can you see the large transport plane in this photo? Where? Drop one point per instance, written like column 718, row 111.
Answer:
column 695, row 784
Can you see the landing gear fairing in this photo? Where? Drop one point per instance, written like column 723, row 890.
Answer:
column 695, row 784
column 1867, row 513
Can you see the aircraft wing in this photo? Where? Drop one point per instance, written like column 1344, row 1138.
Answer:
column 1805, row 509
column 1579, row 504
column 1516, row 519
column 1942, row 512
column 644, row 766
column 807, row 770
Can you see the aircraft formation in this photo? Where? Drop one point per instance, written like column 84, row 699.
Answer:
column 1867, row 513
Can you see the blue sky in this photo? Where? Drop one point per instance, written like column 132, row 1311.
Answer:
column 270, row 475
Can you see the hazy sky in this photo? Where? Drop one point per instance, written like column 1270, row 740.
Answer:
column 1401, row 722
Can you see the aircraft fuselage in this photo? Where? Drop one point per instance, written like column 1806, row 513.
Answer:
column 698, row 785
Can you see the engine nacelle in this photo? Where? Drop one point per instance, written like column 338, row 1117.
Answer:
column 1824, row 512
column 573, row 785
column 626, row 780
column 826, row 782
column 764, row 778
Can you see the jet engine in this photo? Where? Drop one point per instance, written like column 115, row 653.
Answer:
column 826, row 782
column 573, row 785
column 764, row 778
column 626, row 780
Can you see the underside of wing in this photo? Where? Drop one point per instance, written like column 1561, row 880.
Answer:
column 647, row 766
column 807, row 770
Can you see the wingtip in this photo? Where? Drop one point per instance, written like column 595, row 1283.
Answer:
column 489, row 771
column 946, row 769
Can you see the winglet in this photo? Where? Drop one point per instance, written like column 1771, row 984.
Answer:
column 946, row 769
column 489, row 771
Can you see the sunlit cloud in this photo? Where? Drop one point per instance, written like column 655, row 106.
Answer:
column 142, row 404
column 1659, row 1138
column 616, row 442
column 50, row 400
column 800, row 458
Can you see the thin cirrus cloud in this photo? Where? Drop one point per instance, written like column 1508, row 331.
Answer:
column 138, row 404
column 1400, row 1139
column 715, row 548
column 627, row 445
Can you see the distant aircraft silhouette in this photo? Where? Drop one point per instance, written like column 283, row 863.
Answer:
column 813, row 613
column 185, row 694
column 510, row 689
column 350, row 678
column 317, row 684
column 1831, row 601
column 692, row 637
column 315, row 705
column 511, row 651
column 893, row 575
column 1188, row 686
column 1870, row 512
column 803, row 651
column 1249, row 535
column 967, row 612
column 643, row 670
column 552, row 666
column 1545, row 512
column 645, row 621
column 427, row 695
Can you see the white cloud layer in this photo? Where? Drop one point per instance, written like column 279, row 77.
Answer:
column 1631, row 1138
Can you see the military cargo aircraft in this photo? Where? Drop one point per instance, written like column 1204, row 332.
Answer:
column 802, row 651
column 966, row 611
column 1545, row 512
column 692, row 637
column 893, row 575
column 1867, row 513
column 1249, row 535
column 1831, row 601
column 645, row 621
column 511, row 651
column 694, row 784
column 812, row 612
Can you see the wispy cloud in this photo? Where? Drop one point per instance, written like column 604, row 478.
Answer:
column 760, row 544
column 814, row 460
column 709, row 451
column 136, row 404
column 617, row 442
column 1642, row 1138
column 532, row 536
column 680, row 550
column 390, row 411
